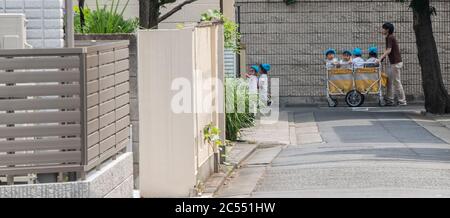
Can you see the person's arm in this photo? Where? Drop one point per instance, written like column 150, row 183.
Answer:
column 386, row 53
column 388, row 48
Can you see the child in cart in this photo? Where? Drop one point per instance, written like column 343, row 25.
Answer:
column 346, row 61
column 358, row 61
column 331, row 61
column 373, row 57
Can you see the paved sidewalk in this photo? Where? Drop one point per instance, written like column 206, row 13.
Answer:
column 273, row 133
column 270, row 138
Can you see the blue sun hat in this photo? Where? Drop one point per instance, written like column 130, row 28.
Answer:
column 347, row 52
column 357, row 52
column 266, row 67
column 373, row 50
column 330, row 51
column 255, row 67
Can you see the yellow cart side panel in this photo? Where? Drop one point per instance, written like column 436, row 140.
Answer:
column 336, row 86
column 363, row 85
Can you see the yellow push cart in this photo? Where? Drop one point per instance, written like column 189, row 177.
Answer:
column 355, row 83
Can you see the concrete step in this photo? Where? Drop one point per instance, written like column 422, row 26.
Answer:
column 240, row 152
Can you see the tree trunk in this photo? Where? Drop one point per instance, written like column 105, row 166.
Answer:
column 149, row 13
column 144, row 13
column 154, row 14
column 81, row 7
column 437, row 100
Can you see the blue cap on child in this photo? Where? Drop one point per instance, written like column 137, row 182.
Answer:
column 255, row 67
column 357, row 52
column 266, row 67
column 373, row 50
column 330, row 51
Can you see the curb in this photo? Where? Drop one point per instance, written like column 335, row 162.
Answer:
column 217, row 180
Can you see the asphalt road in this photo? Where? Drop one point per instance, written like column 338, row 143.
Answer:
column 363, row 154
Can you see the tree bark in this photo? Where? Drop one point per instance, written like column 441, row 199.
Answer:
column 81, row 7
column 144, row 8
column 149, row 13
column 153, row 14
column 437, row 100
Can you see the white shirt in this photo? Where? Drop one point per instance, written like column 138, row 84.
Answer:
column 263, row 87
column 371, row 60
column 331, row 63
column 358, row 62
column 253, row 84
column 346, row 64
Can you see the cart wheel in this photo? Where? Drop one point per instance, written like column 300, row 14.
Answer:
column 381, row 102
column 332, row 102
column 354, row 98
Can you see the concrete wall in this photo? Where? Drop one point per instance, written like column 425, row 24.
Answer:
column 229, row 10
column 293, row 38
column 44, row 20
column 179, row 68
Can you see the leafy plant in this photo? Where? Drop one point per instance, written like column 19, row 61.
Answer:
column 199, row 188
column 105, row 19
column 236, row 92
column 211, row 135
column 231, row 29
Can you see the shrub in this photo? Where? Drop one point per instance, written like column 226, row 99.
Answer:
column 236, row 92
column 105, row 20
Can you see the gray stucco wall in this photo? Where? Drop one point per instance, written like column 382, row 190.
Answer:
column 292, row 38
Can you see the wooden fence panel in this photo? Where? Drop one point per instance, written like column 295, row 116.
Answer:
column 63, row 110
column 40, row 112
column 111, row 69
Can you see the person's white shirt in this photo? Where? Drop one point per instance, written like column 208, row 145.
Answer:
column 346, row 64
column 331, row 63
column 253, row 84
column 263, row 88
column 358, row 62
column 371, row 60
